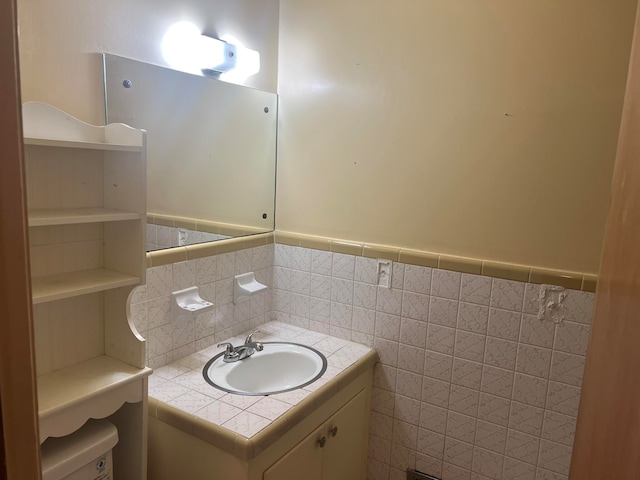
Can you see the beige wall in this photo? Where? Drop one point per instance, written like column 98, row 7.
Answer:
column 478, row 128
column 60, row 42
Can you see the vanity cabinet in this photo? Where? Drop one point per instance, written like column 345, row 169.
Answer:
column 331, row 451
column 86, row 196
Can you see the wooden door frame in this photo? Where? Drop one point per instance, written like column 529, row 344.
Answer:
column 607, row 442
column 18, row 402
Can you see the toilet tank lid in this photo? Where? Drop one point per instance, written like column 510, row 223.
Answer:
column 64, row 455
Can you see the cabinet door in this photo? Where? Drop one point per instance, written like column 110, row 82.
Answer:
column 346, row 450
column 304, row 461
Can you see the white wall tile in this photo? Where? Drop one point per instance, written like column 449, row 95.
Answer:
column 405, row 434
column 226, row 266
column 343, row 266
column 415, row 306
column 473, row 318
column 443, row 312
column 572, row 338
column 413, row 332
column 387, row 326
column 533, row 360
column 466, row 373
column 504, row 324
column 300, row 282
column 470, row 346
column 522, row 447
column 401, row 459
column 461, row 427
column 475, row 289
column 301, row 259
column 537, row 332
column 364, row 295
column 441, row 339
column 438, row 365
column 431, row 443
column 364, row 320
column 500, row 353
column 417, row 279
column 454, row 472
column 491, row 436
column 382, row 401
column 464, row 400
column 387, row 351
column 507, row 294
column 436, row 392
column 429, row 465
column 497, row 381
column 433, row 418
column 567, row 368
column 494, row 409
column 555, row 457
column 409, row 384
column 342, row 291
column 526, row 418
column 407, row 409
column 563, row 398
column 458, row 453
column 517, row 470
column 579, row 306
column 530, row 390
column 320, row 286
column 320, row 262
column 543, row 474
column 389, row 300
column 366, row 270
column 411, row 358
column 559, row 428
column 487, row 463
column 445, row 284
column 340, row 315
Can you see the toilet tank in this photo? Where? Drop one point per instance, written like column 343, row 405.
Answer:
column 82, row 455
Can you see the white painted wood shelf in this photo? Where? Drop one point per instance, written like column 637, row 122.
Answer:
column 69, row 216
column 90, row 362
column 66, row 285
column 52, row 142
column 91, row 389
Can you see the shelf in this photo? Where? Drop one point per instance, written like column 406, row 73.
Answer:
column 57, row 287
column 51, row 142
column 90, row 389
column 67, row 216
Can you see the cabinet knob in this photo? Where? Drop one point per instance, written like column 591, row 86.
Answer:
column 334, row 431
column 322, row 441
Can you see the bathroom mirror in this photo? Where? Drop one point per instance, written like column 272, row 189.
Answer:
column 211, row 151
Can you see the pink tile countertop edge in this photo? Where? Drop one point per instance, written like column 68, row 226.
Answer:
column 246, row 425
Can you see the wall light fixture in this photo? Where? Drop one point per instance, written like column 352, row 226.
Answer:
column 186, row 49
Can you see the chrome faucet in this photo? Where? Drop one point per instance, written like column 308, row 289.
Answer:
column 234, row 354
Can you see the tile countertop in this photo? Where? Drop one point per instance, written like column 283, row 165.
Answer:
column 246, row 425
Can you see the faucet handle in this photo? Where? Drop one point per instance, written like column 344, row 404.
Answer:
column 249, row 338
column 228, row 348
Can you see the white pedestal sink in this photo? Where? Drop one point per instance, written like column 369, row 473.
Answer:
column 279, row 367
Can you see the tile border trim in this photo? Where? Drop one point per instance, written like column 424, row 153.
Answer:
column 167, row 256
column 508, row 271
column 200, row 225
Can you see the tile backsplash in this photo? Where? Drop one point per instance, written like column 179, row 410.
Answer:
column 470, row 383
column 169, row 339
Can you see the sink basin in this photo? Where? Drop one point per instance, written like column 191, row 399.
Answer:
column 279, row 367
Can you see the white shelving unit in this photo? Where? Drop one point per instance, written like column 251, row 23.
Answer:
column 86, row 188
